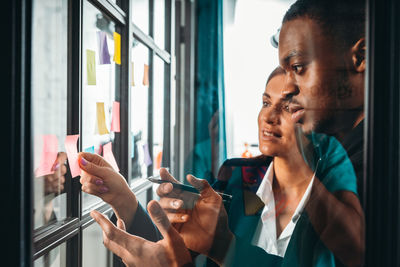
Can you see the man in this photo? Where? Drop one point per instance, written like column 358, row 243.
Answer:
column 323, row 55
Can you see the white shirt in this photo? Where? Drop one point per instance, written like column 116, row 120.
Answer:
column 265, row 234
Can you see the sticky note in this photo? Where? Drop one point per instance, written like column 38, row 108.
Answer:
column 147, row 158
column 89, row 149
column 49, row 155
column 104, row 55
column 117, row 48
column 72, row 154
column 115, row 122
column 109, row 156
column 101, row 127
column 146, row 75
column 133, row 145
column 133, row 74
column 90, row 67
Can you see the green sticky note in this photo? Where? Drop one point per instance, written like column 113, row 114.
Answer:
column 91, row 67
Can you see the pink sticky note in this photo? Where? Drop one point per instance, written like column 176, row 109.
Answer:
column 115, row 126
column 49, row 155
column 72, row 154
column 109, row 156
column 147, row 158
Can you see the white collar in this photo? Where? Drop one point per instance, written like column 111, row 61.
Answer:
column 266, row 195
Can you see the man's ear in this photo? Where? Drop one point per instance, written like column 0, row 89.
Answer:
column 358, row 55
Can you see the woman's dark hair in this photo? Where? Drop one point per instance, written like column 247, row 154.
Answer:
column 343, row 20
column 275, row 72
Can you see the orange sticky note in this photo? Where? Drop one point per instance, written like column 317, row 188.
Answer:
column 146, row 75
column 109, row 156
column 72, row 154
column 133, row 75
column 117, row 48
column 49, row 155
column 115, row 122
column 101, row 127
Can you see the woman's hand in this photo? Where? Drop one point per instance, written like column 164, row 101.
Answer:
column 98, row 178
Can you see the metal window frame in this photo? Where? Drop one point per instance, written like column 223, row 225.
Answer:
column 70, row 231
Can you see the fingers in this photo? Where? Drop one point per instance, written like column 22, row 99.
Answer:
column 93, row 185
column 121, row 225
column 112, row 235
column 160, row 219
column 94, row 158
column 165, row 175
column 88, row 166
column 206, row 191
column 115, row 238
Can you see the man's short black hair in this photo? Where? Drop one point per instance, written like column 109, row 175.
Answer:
column 343, row 20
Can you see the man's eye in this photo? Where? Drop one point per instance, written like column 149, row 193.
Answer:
column 266, row 104
column 297, row 68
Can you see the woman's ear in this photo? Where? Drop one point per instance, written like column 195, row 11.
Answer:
column 358, row 55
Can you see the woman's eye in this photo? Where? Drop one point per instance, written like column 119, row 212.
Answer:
column 286, row 108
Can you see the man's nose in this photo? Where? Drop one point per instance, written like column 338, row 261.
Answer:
column 290, row 88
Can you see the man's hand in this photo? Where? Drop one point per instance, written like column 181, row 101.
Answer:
column 100, row 179
column 203, row 227
column 136, row 251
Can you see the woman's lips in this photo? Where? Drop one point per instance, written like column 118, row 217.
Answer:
column 269, row 135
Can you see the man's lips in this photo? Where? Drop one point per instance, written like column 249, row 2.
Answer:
column 297, row 112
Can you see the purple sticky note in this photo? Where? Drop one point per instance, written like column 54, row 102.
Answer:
column 147, row 158
column 103, row 48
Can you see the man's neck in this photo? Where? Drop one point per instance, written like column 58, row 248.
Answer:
column 340, row 135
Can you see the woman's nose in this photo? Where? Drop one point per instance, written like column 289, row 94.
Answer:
column 271, row 116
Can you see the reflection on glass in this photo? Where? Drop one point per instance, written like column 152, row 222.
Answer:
column 49, row 109
column 140, row 14
column 158, row 112
column 98, row 84
column 94, row 253
column 139, row 109
column 159, row 23
column 55, row 258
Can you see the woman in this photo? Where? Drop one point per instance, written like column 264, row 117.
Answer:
column 267, row 224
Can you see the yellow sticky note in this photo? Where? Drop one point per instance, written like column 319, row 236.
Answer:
column 90, row 67
column 133, row 74
column 101, row 127
column 146, row 75
column 117, row 48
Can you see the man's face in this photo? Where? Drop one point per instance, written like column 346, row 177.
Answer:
column 316, row 77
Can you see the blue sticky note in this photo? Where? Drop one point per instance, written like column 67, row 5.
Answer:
column 89, row 149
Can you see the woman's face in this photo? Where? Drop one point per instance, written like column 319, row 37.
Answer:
column 275, row 127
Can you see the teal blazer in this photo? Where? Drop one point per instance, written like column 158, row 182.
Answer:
column 242, row 177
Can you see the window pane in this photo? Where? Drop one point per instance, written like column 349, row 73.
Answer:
column 49, row 108
column 158, row 112
column 99, row 85
column 159, row 23
column 140, row 14
column 139, row 109
column 94, row 253
column 55, row 258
